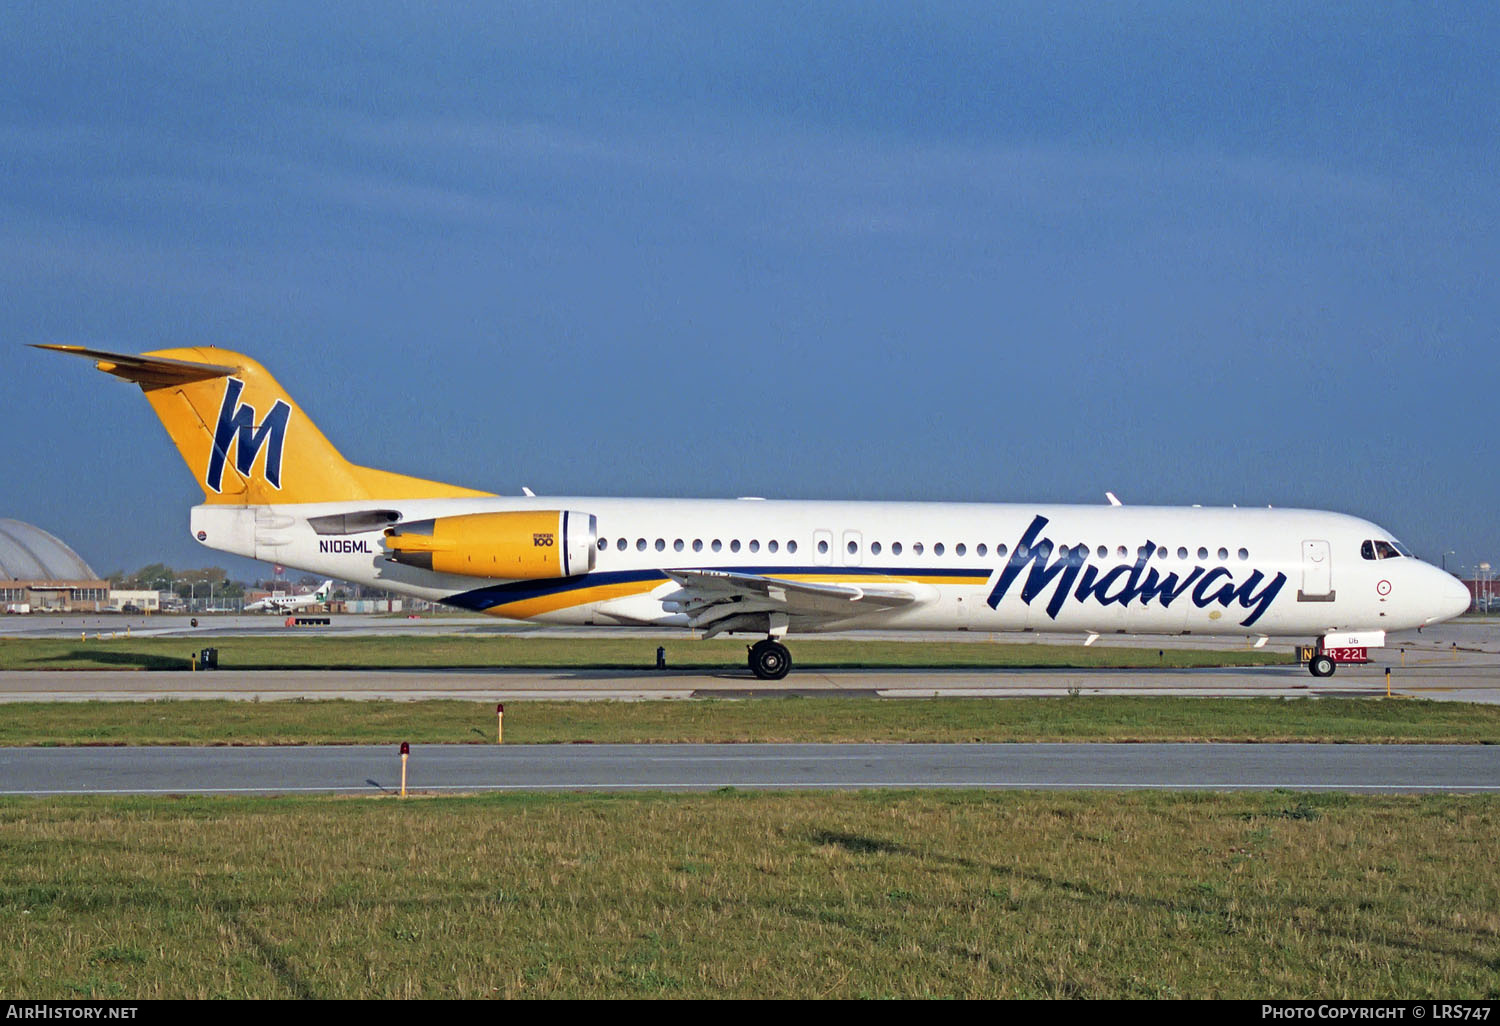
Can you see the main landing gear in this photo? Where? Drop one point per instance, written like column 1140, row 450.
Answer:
column 770, row 660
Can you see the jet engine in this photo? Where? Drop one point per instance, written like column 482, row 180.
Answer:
column 524, row 545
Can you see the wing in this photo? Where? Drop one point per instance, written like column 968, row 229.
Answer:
column 716, row 601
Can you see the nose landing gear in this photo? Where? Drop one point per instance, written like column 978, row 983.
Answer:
column 1321, row 664
column 770, row 660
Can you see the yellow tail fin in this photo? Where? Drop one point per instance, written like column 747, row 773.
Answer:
column 243, row 437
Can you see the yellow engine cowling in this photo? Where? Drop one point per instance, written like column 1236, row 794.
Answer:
column 528, row 545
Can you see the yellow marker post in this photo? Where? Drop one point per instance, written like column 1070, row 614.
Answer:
column 1387, row 682
column 1403, row 658
column 83, row 635
column 405, row 751
column 499, row 723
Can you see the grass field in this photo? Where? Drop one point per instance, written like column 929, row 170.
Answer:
column 752, row 895
column 311, row 652
column 765, row 720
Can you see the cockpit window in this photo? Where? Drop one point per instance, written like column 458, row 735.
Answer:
column 1382, row 550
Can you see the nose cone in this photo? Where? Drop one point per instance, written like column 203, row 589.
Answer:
column 1451, row 598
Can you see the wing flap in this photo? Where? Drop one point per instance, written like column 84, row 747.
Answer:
column 710, row 597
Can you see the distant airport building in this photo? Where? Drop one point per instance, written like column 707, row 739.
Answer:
column 1484, row 592
column 38, row 573
column 135, row 601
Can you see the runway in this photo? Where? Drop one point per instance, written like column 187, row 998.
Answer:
column 1467, row 678
column 1475, row 634
column 472, row 768
column 1458, row 661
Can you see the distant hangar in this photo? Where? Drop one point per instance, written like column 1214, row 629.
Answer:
column 40, row 573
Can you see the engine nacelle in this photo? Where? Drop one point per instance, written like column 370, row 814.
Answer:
column 524, row 545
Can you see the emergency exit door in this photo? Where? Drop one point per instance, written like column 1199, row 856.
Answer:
column 1317, row 573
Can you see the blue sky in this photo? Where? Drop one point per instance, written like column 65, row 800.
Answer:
column 1196, row 252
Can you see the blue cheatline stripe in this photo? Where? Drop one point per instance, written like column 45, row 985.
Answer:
column 517, row 591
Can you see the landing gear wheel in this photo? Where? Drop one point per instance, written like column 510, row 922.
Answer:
column 770, row 660
column 1321, row 665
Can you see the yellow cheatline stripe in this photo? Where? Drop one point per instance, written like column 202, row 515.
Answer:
column 976, row 582
column 524, row 608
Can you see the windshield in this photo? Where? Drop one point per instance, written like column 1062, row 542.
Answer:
column 1381, row 549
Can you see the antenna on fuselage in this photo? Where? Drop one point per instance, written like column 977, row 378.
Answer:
column 528, row 492
column 1112, row 500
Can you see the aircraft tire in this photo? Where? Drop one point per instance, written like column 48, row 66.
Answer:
column 1321, row 665
column 770, row 660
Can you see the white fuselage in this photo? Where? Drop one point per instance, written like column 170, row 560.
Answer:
column 983, row 567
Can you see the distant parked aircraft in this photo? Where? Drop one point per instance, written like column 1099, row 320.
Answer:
column 287, row 603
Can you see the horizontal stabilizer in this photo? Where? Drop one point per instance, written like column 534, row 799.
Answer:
column 147, row 371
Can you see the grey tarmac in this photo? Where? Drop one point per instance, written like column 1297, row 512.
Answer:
column 371, row 770
column 1468, row 677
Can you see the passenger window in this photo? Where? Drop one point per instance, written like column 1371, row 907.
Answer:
column 916, row 547
column 959, row 549
column 1182, row 552
column 621, row 544
column 1202, row 552
column 734, row 546
column 1103, row 552
column 772, row 546
column 697, row 544
column 717, row 545
column 1244, row 554
column 1001, row 550
column 677, row 545
column 822, row 546
column 874, row 548
column 754, row 545
column 981, row 551
column 661, row 545
column 937, row 550
column 791, row 546
column 640, row 545
column 603, row 544
column 895, row 548
column 1223, row 555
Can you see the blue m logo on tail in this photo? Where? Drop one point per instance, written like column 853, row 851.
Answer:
column 237, row 427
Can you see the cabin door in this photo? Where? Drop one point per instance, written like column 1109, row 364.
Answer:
column 1317, row 573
